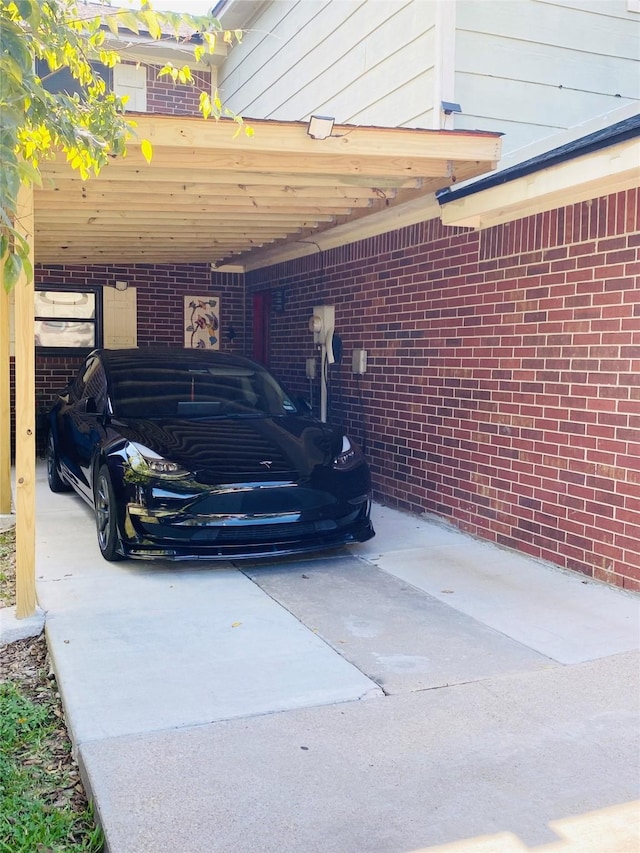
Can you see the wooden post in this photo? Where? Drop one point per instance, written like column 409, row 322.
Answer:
column 25, row 423
column 5, row 409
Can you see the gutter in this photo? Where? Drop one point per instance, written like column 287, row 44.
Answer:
column 605, row 138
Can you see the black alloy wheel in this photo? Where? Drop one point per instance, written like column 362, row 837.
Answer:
column 56, row 483
column 106, row 520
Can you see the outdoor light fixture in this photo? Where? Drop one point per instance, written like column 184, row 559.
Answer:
column 449, row 107
column 320, row 127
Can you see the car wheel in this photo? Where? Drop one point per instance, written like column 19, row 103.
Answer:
column 56, row 483
column 106, row 512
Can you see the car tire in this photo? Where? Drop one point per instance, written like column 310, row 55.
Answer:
column 56, row 483
column 106, row 516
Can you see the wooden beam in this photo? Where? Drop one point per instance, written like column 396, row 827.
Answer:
column 598, row 174
column 410, row 213
column 25, row 423
column 145, row 255
column 5, row 408
column 198, row 162
column 155, row 201
column 345, row 141
column 58, row 176
column 95, row 192
column 48, row 221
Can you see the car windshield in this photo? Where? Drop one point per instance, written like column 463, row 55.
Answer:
column 196, row 391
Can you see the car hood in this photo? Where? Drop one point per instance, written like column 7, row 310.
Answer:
column 230, row 450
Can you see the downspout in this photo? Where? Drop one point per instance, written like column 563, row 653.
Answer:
column 444, row 68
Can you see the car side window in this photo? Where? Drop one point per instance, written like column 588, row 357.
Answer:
column 92, row 382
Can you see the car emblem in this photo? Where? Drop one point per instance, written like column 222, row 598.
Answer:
column 267, row 463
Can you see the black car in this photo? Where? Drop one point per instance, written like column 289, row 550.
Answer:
column 197, row 454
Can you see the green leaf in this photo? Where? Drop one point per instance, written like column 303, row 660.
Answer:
column 128, row 21
column 12, row 270
column 147, row 150
column 153, row 25
column 30, row 12
column 205, row 105
column 111, row 23
column 29, row 173
column 27, row 267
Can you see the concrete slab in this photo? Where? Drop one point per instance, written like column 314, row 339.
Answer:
column 560, row 614
column 185, row 650
column 212, row 714
column 140, row 646
column 516, row 759
column 7, row 522
column 399, row 636
column 12, row 628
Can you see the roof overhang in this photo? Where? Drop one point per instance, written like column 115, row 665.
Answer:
column 597, row 164
column 591, row 176
column 216, row 196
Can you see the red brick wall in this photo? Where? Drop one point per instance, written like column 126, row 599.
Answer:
column 160, row 293
column 503, row 389
column 169, row 98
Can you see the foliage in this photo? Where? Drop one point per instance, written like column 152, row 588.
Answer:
column 39, row 806
column 7, row 568
column 90, row 129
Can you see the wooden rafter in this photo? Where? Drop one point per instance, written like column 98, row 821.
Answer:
column 212, row 196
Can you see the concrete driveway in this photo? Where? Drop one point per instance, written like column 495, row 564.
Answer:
column 421, row 692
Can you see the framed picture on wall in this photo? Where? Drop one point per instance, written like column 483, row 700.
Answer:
column 201, row 322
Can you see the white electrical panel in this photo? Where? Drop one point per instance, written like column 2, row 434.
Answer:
column 359, row 361
column 311, row 368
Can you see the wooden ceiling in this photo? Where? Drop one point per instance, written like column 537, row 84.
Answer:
column 210, row 196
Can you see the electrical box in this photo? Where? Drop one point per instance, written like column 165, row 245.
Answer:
column 322, row 324
column 359, row 361
column 311, row 368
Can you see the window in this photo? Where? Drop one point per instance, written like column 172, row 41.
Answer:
column 68, row 319
column 131, row 80
column 125, row 79
column 62, row 80
column 92, row 382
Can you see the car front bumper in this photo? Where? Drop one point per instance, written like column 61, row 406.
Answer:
column 161, row 525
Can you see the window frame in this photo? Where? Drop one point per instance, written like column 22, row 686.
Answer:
column 97, row 320
column 62, row 81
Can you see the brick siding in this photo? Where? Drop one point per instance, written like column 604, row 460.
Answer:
column 503, row 382
column 160, row 293
column 169, row 98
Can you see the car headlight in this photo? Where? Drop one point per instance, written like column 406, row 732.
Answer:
column 145, row 463
column 349, row 456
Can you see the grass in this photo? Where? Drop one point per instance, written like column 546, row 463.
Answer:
column 7, row 567
column 43, row 806
column 36, row 794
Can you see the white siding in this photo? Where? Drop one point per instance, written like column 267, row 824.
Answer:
column 361, row 61
column 533, row 67
column 527, row 68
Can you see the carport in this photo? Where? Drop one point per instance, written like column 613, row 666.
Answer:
column 211, row 195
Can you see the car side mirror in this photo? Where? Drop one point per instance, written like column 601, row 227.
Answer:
column 304, row 406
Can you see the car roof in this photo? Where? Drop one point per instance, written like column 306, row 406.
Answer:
column 174, row 356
